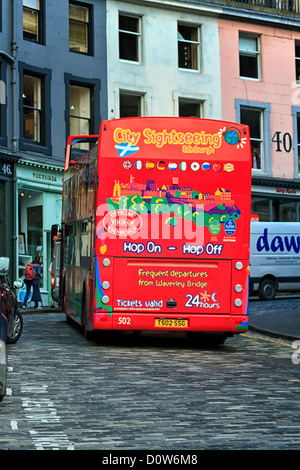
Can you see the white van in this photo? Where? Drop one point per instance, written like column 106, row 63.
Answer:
column 274, row 258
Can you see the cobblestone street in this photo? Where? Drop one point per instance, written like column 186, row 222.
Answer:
column 127, row 393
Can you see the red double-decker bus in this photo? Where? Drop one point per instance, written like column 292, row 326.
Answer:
column 155, row 226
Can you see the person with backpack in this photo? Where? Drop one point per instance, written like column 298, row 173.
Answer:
column 32, row 277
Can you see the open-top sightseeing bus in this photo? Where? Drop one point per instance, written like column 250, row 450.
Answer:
column 155, row 226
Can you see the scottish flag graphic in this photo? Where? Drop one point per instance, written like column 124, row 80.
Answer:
column 126, row 149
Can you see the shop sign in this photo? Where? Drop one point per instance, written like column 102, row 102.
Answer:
column 286, row 191
column 257, row 189
column 42, row 176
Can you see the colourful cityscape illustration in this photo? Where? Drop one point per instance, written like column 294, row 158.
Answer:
column 185, row 202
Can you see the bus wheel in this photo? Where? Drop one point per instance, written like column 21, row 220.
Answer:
column 211, row 340
column 87, row 333
column 215, row 339
column 267, row 289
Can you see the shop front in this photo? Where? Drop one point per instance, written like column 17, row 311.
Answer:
column 38, row 201
column 276, row 200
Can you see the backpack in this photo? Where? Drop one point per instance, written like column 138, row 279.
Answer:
column 30, row 272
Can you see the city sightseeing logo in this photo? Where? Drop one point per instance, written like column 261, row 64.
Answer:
column 127, row 140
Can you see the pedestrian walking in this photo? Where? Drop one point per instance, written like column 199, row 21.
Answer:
column 32, row 278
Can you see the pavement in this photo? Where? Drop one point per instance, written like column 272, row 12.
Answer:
column 279, row 318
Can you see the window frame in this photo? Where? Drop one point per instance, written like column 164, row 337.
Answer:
column 205, row 102
column 265, row 109
column 297, row 61
column 45, row 75
column 90, row 28
column 296, row 116
column 94, row 85
column 3, row 106
column 198, row 102
column 138, row 94
column 40, row 24
column 197, row 43
column 137, row 34
column 80, row 119
column 246, row 53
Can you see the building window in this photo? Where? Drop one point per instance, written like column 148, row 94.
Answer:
column 32, row 109
column 190, row 108
column 275, row 209
column 249, row 53
column 262, row 207
column 297, row 54
column 129, row 38
column 3, row 131
column 296, row 138
column 83, row 105
column 80, row 110
column 80, row 28
column 35, row 110
column 130, row 105
column 254, row 119
column 188, row 47
column 32, row 20
column 298, row 144
column 256, row 115
column 288, row 211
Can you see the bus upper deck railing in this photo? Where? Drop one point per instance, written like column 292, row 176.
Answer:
column 282, row 6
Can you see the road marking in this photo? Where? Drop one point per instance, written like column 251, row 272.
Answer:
column 268, row 340
column 39, row 412
column 14, row 425
column 49, row 440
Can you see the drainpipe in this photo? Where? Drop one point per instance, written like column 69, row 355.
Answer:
column 14, row 48
column 13, row 65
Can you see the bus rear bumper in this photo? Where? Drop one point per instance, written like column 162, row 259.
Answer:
column 160, row 322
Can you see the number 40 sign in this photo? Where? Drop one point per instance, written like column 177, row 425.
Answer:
column 284, row 141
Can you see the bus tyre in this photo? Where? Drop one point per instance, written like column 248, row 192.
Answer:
column 215, row 339
column 87, row 333
column 267, row 289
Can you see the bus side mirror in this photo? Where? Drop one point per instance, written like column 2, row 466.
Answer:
column 54, row 231
column 67, row 230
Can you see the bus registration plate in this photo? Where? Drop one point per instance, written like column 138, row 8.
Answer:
column 171, row 322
